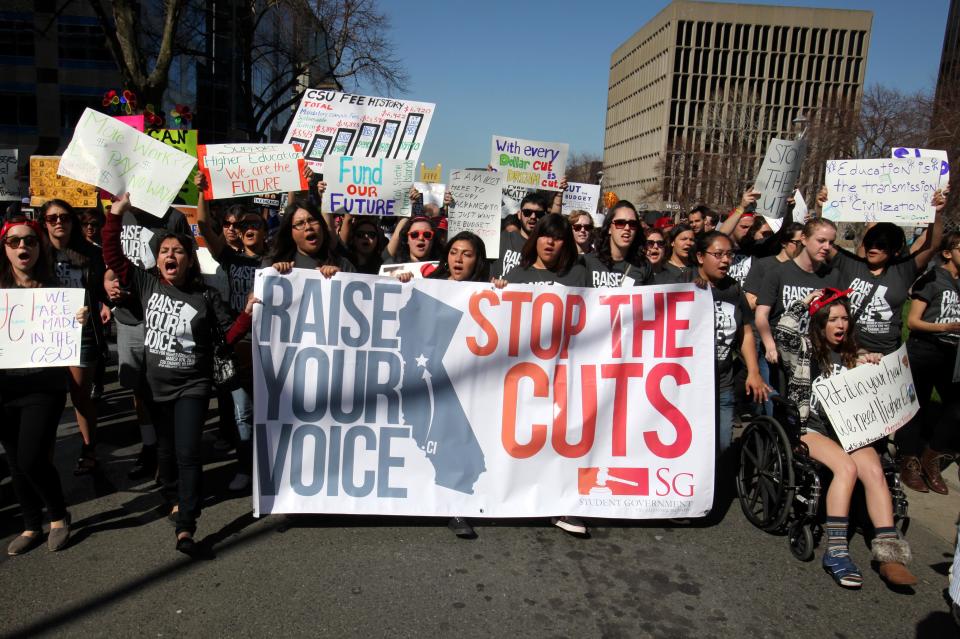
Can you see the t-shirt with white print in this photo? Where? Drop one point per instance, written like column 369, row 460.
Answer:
column 938, row 289
column 787, row 283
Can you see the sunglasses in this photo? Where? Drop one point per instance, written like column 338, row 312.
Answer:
column 250, row 224
column 657, row 243
column 53, row 218
column 583, row 227
column 228, row 225
column 88, row 225
column 366, row 235
column 797, row 243
column 529, row 212
column 620, row 224
column 15, row 241
column 415, row 235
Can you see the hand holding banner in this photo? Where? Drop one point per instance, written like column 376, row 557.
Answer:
column 368, row 186
column 40, row 327
column 477, row 206
column 529, row 163
column 240, row 170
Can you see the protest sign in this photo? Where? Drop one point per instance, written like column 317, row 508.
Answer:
column 800, row 208
column 39, row 327
column 870, row 401
column 778, row 175
column 897, row 191
column 581, row 197
column 269, row 200
column 431, row 175
column 418, row 270
column 368, row 186
column 477, row 196
column 240, row 170
column 906, row 152
column 329, row 124
column 185, row 141
column 9, row 182
column 47, row 184
column 120, row 159
column 439, row 398
column 511, row 197
column 529, row 163
column 432, row 192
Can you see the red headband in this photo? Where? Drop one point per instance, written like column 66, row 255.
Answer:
column 28, row 223
column 829, row 295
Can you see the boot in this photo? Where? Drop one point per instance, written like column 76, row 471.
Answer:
column 910, row 474
column 893, row 555
column 930, row 467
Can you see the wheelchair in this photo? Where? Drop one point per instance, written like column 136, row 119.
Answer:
column 779, row 485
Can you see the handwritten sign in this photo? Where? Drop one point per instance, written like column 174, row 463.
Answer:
column 39, row 328
column 511, row 197
column 46, row 184
column 9, row 184
column 432, row 192
column 581, row 197
column 240, row 170
column 476, row 195
column 870, row 401
column 368, row 186
column 909, row 152
column 529, row 163
column 896, row 190
column 778, row 175
column 330, row 124
column 431, row 175
column 185, row 141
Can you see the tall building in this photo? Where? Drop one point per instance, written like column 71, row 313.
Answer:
column 695, row 95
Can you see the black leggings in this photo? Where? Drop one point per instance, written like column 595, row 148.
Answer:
column 28, row 431
column 932, row 366
column 179, row 424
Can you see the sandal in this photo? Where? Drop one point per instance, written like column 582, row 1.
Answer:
column 86, row 462
column 839, row 565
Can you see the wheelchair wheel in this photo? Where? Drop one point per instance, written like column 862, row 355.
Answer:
column 801, row 542
column 765, row 482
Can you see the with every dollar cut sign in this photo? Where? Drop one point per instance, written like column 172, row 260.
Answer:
column 529, row 163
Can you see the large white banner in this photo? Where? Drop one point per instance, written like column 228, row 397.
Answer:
column 444, row 398
column 870, row 401
column 39, row 327
column 476, row 208
column 530, row 164
column 116, row 157
column 330, row 123
column 894, row 190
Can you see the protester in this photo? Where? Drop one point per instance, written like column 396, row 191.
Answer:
column 825, row 349
column 619, row 253
column 655, row 249
column 510, row 224
column 696, row 217
column 31, row 402
column 533, row 207
column 463, row 260
column 791, row 243
column 582, row 224
column 305, row 241
column 680, row 242
column 710, row 221
column 414, row 240
column 365, row 243
column 228, row 226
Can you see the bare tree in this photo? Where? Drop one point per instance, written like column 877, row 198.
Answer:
column 583, row 167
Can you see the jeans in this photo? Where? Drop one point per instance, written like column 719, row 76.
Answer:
column 179, row 427
column 725, row 407
column 243, row 411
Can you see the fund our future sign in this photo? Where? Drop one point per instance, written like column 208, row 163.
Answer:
column 529, row 163
column 366, row 186
column 240, row 170
column 519, row 402
column 119, row 159
column 778, row 175
column 476, row 196
column 330, row 124
column 39, row 328
column 870, row 401
column 894, row 190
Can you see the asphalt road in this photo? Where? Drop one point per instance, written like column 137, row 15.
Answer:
column 371, row 577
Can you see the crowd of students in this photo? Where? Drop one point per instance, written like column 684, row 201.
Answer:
column 790, row 307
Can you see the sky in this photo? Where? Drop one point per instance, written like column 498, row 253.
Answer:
column 538, row 70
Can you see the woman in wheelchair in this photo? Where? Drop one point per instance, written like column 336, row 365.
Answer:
column 829, row 346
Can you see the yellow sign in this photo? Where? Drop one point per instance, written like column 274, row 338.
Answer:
column 431, row 175
column 46, row 185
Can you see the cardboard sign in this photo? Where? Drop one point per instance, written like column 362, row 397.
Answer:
column 47, row 184
column 908, row 152
column 581, row 197
column 522, row 402
column 529, row 163
column 476, row 196
column 431, row 192
column 120, row 159
column 39, row 327
column 418, row 270
column 778, row 175
column 870, row 401
column 366, row 186
column 331, row 124
column 9, row 184
column 897, row 191
column 241, row 170
column 185, row 141
column 431, row 175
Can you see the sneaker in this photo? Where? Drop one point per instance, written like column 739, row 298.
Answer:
column 240, row 482
column 146, row 465
column 572, row 525
column 839, row 565
column 461, row 528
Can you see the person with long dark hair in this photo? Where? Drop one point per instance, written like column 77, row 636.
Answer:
column 549, row 256
column 655, row 249
column 365, row 242
column 679, row 262
column 414, row 240
column 31, row 402
column 825, row 348
column 304, row 241
column 463, row 260
column 620, row 250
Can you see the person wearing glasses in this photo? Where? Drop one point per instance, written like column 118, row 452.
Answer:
column 934, row 323
column 31, row 403
column 414, row 240
column 91, row 222
column 582, row 224
column 79, row 264
column 305, row 241
column 228, row 227
column 679, row 262
column 619, row 256
column 655, row 249
column 365, row 243
column 533, row 207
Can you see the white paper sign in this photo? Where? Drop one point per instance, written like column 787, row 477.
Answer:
column 583, row 197
column 870, row 401
column 530, row 164
column 778, row 175
column 116, row 157
column 39, row 328
column 416, row 269
column 476, row 196
column 9, row 185
column 800, row 208
column 330, row 124
column 368, row 186
column 907, row 152
column 898, row 191
column 241, row 170
column 432, row 192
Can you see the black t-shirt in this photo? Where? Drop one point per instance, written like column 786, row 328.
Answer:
column 740, row 266
column 576, row 276
column 788, row 282
column 599, row 275
column 511, row 245
column 759, row 269
column 730, row 313
column 83, row 269
column 879, row 319
column 240, row 270
column 939, row 290
column 672, row 274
